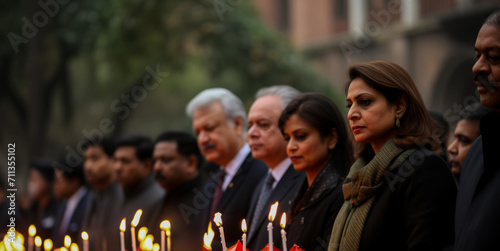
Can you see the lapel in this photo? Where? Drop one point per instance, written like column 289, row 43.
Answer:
column 235, row 183
column 79, row 212
column 282, row 189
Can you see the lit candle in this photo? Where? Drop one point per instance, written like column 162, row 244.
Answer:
column 122, row 235
column 272, row 214
column 148, row 243
column 47, row 245
column 283, row 233
column 156, row 247
column 208, row 237
column 62, row 249
column 31, row 232
column 134, row 223
column 74, row 247
column 165, row 228
column 67, row 241
column 218, row 222
column 38, row 243
column 85, row 238
column 244, row 237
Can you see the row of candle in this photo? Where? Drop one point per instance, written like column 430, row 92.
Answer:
column 147, row 242
column 208, row 237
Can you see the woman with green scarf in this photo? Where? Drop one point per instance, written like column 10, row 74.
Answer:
column 399, row 195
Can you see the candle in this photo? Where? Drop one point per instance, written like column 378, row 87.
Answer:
column 67, row 241
column 283, row 233
column 47, row 245
column 134, row 223
column 122, row 234
column 272, row 214
column 31, row 232
column 148, row 243
column 165, row 228
column 244, row 237
column 208, row 237
column 85, row 238
column 218, row 222
column 74, row 247
column 38, row 243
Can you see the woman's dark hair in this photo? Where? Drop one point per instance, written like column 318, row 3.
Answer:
column 319, row 111
column 417, row 127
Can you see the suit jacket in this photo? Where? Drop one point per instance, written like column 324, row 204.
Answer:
column 73, row 229
column 284, row 192
column 477, row 215
column 234, row 202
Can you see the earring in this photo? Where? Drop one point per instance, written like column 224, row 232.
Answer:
column 398, row 123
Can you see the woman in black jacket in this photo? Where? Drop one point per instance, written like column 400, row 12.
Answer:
column 399, row 195
column 318, row 144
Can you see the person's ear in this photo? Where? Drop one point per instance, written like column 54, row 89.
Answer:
column 238, row 124
column 401, row 105
column 192, row 164
column 333, row 139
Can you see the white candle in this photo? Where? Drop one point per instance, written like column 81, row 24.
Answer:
column 85, row 238
column 162, row 233
column 272, row 214
column 283, row 233
column 122, row 235
column 133, row 224
column 31, row 232
column 218, row 222
column 38, row 243
column 244, row 237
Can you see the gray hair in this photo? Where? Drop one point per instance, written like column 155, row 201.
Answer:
column 285, row 92
column 231, row 104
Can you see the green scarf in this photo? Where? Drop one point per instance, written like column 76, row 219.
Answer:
column 360, row 190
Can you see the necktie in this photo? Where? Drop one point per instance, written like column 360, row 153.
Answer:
column 218, row 191
column 263, row 197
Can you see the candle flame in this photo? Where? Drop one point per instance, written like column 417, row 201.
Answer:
column 244, row 226
column 218, row 219
column 122, row 225
column 283, row 220
column 85, row 236
column 141, row 235
column 67, row 241
column 272, row 212
column 148, row 242
column 62, row 249
column 137, row 217
column 156, row 247
column 32, row 230
column 74, row 247
column 165, row 225
column 208, row 237
column 38, row 241
column 47, row 245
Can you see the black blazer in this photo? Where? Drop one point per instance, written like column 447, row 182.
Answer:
column 284, row 192
column 235, row 201
column 477, row 219
column 74, row 224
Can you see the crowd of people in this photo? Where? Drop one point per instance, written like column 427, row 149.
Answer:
column 378, row 181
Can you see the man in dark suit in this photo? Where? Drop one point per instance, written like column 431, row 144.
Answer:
column 219, row 121
column 477, row 217
column 133, row 163
column 69, row 186
column 267, row 144
column 177, row 163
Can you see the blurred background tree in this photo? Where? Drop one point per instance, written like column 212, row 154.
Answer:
column 64, row 74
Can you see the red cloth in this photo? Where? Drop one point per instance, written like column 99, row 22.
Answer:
column 296, row 248
column 237, row 247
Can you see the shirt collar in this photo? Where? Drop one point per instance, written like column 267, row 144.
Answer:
column 278, row 171
column 234, row 165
